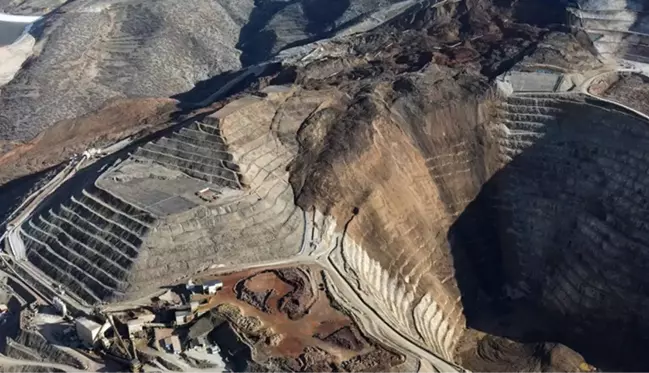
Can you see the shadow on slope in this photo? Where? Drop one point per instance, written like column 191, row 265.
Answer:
column 554, row 246
column 541, row 13
column 15, row 191
column 636, row 48
column 224, row 85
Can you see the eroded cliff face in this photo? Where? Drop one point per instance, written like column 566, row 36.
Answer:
column 394, row 164
column 398, row 162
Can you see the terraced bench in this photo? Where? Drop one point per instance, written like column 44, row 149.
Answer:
column 88, row 245
column 197, row 150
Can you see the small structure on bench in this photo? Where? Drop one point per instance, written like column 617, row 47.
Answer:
column 90, row 331
column 183, row 316
column 208, row 194
column 172, row 344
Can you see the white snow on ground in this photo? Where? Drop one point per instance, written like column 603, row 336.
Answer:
column 18, row 19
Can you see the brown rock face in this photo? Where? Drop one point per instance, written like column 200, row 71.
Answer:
column 398, row 162
column 503, row 215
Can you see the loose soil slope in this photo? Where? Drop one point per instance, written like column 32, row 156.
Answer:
column 629, row 89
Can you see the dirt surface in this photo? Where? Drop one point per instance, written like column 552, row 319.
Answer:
column 347, row 337
column 264, row 291
column 296, row 303
column 311, row 335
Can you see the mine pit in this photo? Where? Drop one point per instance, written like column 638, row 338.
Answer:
column 443, row 192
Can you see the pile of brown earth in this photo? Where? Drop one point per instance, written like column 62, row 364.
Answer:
column 288, row 290
column 347, row 337
column 309, row 336
column 296, row 303
column 495, row 354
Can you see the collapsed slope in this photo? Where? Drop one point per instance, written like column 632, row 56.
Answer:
column 452, row 210
column 398, row 163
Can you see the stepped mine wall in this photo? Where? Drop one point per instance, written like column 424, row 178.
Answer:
column 17, row 351
column 29, row 368
column 47, row 351
column 619, row 28
column 561, row 228
column 255, row 219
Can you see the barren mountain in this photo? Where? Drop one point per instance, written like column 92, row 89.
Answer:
column 450, row 172
column 91, row 51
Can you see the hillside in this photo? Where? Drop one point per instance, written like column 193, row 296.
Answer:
column 89, row 52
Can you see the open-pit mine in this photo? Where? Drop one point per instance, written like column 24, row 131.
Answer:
column 459, row 187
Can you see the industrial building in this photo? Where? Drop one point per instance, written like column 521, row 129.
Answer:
column 89, row 331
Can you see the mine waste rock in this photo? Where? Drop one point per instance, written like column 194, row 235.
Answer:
column 484, row 205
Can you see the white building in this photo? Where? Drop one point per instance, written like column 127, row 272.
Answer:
column 211, row 287
column 135, row 326
column 90, row 331
column 183, row 317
